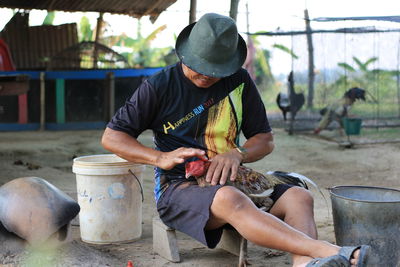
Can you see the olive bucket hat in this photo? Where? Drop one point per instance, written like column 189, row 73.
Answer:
column 212, row 46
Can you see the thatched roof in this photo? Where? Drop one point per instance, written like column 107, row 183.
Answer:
column 135, row 8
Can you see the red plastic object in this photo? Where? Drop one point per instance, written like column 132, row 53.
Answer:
column 6, row 63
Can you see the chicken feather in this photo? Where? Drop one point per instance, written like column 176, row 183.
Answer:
column 258, row 187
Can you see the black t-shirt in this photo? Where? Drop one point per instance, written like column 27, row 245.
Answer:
column 184, row 115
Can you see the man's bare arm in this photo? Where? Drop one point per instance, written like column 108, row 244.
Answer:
column 258, row 146
column 129, row 148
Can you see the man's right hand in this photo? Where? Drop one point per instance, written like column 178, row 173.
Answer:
column 127, row 147
column 168, row 160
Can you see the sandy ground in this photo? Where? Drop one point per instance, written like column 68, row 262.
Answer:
column 49, row 155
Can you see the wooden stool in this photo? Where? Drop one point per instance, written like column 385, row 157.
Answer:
column 165, row 243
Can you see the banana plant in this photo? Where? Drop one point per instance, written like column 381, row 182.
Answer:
column 141, row 54
column 360, row 76
column 286, row 50
column 365, row 77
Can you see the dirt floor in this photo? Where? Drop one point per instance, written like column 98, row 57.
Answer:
column 49, row 155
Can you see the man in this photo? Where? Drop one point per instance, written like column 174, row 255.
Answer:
column 197, row 109
column 339, row 109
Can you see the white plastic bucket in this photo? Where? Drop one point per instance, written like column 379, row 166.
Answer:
column 110, row 198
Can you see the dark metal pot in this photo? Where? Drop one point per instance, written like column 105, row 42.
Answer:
column 368, row 215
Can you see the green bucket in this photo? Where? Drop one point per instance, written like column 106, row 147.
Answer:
column 352, row 126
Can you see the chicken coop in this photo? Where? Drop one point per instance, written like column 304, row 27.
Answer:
column 361, row 52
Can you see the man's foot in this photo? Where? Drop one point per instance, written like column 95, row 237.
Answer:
column 332, row 261
column 347, row 256
column 357, row 256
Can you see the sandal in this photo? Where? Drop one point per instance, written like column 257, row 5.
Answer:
column 332, row 261
column 347, row 253
column 342, row 259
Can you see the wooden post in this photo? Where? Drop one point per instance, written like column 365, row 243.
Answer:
column 311, row 75
column 111, row 94
column 398, row 79
column 234, row 9
column 96, row 39
column 42, row 102
column 247, row 19
column 243, row 252
column 60, row 100
column 398, row 92
column 23, row 108
column 192, row 12
column 291, row 101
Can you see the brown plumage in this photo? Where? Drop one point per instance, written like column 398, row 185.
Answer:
column 257, row 186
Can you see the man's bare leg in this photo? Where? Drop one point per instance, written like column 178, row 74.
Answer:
column 296, row 208
column 233, row 207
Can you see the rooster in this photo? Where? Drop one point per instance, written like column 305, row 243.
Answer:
column 290, row 103
column 258, row 187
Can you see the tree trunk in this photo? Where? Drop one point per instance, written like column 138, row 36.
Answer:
column 234, row 9
column 311, row 75
column 192, row 12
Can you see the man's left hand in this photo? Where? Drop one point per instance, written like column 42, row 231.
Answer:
column 224, row 166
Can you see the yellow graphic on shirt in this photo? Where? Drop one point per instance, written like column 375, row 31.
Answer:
column 221, row 132
column 236, row 98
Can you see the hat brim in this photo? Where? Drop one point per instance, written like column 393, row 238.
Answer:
column 202, row 66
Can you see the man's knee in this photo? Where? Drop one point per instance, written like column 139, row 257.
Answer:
column 300, row 194
column 230, row 198
column 295, row 199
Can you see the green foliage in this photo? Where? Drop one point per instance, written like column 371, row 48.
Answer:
column 367, row 79
column 363, row 67
column 264, row 78
column 269, row 95
column 346, row 67
column 262, row 67
column 49, row 19
column 139, row 52
column 381, row 87
column 85, row 30
column 285, row 49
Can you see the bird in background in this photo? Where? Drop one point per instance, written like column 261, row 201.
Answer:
column 290, row 103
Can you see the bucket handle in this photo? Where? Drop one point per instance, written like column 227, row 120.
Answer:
column 140, row 185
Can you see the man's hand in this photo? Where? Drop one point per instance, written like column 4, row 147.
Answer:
column 129, row 148
column 223, row 166
column 168, row 160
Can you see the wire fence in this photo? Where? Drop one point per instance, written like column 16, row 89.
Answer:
column 368, row 58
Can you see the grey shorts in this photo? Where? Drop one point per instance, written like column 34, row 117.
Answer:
column 185, row 206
